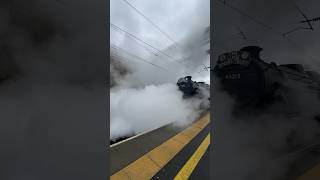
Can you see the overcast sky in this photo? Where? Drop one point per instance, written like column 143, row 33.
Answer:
column 281, row 16
column 179, row 19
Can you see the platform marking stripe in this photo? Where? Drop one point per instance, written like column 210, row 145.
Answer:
column 189, row 167
column 149, row 164
column 312, row 174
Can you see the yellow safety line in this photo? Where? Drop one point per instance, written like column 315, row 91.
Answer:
column 312, row 174
column 149, row 164
column 189, row 167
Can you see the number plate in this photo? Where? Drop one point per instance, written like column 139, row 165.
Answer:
column 233, row 76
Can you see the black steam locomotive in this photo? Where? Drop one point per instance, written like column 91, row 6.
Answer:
column 192, row 88
column 255, row 83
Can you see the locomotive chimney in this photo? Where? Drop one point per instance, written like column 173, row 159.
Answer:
column 253, row 50
column 188, row 77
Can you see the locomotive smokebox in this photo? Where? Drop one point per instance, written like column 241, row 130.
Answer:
column 254, row 51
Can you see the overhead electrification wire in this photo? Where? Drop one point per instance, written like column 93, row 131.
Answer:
column 142, row 41
column 305, row 17
column 150, row 21
column 122, row 58
column 147, row 48
column 262, row 24
column 307, row 20
column 134, row 36
column 249, row 17
column 116, row 48
column 137, row 57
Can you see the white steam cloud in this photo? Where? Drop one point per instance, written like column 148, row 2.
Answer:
column 140, row 103
column 138, row 110
column 266, row 144
column 144, row 95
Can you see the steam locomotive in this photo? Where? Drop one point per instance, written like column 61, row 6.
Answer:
column 192, row 88
column 256, row 83
column 271, row 89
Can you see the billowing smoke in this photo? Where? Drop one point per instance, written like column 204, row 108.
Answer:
column 268, row 143
column 52, row 90
column 144, row 94
column 139, row 103
column 118, row 71
column 251, row 147
column 138, row 110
